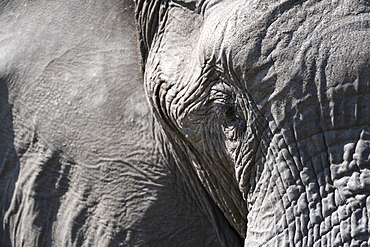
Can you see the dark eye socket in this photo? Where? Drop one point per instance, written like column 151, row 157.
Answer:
column 230, row 113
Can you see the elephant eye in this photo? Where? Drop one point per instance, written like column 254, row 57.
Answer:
column 230, row 113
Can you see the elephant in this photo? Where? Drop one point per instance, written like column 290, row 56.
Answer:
column 185, row 123
column 270, row 101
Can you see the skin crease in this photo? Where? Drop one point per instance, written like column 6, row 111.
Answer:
column 270, row 101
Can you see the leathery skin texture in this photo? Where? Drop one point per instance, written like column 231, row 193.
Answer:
column 270, row 102
column 184, row 123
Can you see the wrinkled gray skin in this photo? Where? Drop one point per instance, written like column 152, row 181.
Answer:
column 270, row 100
column 257, row 126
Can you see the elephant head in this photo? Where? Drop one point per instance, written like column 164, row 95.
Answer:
column 260, row 129
column 269, row 103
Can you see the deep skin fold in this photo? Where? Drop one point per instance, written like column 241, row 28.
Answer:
column 291, row 156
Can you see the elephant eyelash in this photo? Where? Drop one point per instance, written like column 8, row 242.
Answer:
column 222, row 102
column 226, row 112
column 221, row 98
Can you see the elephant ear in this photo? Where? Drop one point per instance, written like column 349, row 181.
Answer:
column 169, row 34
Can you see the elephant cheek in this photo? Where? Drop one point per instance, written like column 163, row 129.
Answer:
column 351, row 176
column 249, row 153
column 315, row 190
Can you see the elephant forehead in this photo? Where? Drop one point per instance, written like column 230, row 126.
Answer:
column 228, row 35
column 283, row 55
column 251, row 34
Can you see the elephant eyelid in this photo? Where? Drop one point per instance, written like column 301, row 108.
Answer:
column 223, row 103
column 219, row 97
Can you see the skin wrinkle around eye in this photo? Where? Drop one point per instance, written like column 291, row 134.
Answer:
column 192, row 126
column 220, row 108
